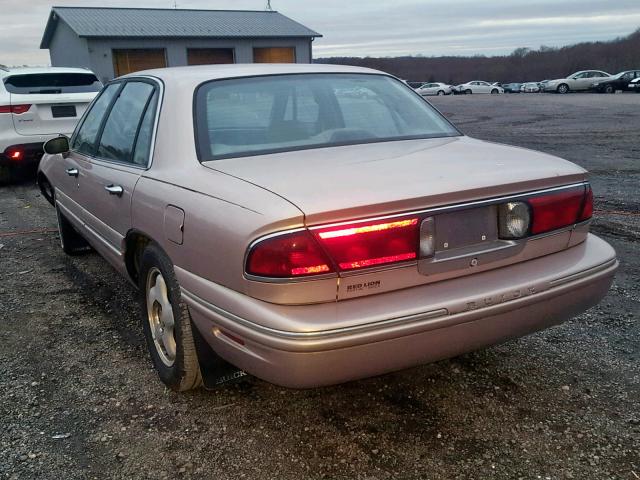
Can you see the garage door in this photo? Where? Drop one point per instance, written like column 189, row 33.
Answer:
column 134, row 60
column 274, row 55
column 209, row 56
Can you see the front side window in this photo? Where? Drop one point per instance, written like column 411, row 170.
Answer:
column 121, row 128
column 246, row 116
column 47, row 83
column 84, row 140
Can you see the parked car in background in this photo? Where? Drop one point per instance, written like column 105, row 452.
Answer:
column 478, row 86
column 576, row 82
column 619, row 81
column 37, row 104
column 635, row 85
column 511, row 87
column 428, row 89
column 188, row 181
column 543, row 85
column 530, row 87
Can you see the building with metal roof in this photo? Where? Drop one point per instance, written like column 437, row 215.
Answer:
column 116, row 41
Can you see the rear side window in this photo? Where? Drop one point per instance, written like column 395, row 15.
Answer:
column 121, row 128
column 145, row 132
column 42, row 83
column 84, row 140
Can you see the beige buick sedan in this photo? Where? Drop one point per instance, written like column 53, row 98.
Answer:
column 314, row 224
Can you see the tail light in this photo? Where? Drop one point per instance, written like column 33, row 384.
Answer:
column 560, row 209
column 331, row 249
column 15, row 109
column 13, row 153
column 587, row 208
column 290, row 255
column 359, row 245
column 368, row 244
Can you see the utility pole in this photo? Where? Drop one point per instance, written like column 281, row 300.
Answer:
column 268, row 8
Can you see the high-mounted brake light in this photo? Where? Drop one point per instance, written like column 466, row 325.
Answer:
column 15, row 109
column 370, row 244
column 560, row 209
column 290, row 255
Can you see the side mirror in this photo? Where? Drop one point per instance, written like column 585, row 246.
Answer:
column 57, row 145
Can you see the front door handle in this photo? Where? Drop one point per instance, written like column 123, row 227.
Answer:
column 72, row 172
column 114, row 189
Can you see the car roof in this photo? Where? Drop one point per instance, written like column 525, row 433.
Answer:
column 36, row 70
column 202, row 73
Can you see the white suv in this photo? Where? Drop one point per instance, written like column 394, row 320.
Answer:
column 37, row 104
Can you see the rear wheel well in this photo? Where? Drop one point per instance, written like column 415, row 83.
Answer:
column 135, row 244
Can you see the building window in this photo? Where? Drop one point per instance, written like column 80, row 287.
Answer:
column 133, row 60
column 209, row 56
column 274, row 55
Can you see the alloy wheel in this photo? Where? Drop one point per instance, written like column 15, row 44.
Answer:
column 160, row 317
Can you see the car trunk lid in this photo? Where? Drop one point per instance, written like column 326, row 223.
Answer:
column 350, row 182
column 49, row 113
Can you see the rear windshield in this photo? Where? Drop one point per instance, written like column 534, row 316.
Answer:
column 52, row 83
column 249, row 116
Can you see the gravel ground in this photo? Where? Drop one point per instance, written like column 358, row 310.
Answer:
column 78, row 397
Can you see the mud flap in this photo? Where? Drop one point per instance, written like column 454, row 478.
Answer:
column 215, row 371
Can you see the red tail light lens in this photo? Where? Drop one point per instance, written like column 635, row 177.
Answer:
column 14, row 154
column 16, row 109
column 364, row 245
column 587, row 208
column 557, row 210
column 289, row 255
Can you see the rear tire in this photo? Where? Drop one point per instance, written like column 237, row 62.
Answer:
column 494, row 91
column 440, row 92
column 468, row 91
column 609, row 89
column 563, row 88
column 71, row 241
column 166, row 323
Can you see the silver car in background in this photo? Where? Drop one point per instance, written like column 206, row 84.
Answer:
column 575, row 82
column 315, row 224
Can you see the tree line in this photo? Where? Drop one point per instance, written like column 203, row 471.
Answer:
column 521, row 65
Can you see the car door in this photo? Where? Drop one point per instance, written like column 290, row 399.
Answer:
column 119, row 157
column 483, row 87
column 66, row 177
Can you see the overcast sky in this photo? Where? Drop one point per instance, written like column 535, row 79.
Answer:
column 377, row 28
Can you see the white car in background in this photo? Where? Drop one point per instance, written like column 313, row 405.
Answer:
column 576, row 82
column 434, row 88
column 478, row 86
column 37, row 104
column 635, row 85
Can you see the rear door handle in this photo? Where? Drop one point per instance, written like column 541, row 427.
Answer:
column 114, row 189
column 72, row 172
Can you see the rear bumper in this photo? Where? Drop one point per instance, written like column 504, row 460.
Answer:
column 410, row 327
column 30, row 154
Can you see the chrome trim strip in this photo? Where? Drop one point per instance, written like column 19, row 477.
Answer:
column 583, row 273
column 429, row 315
